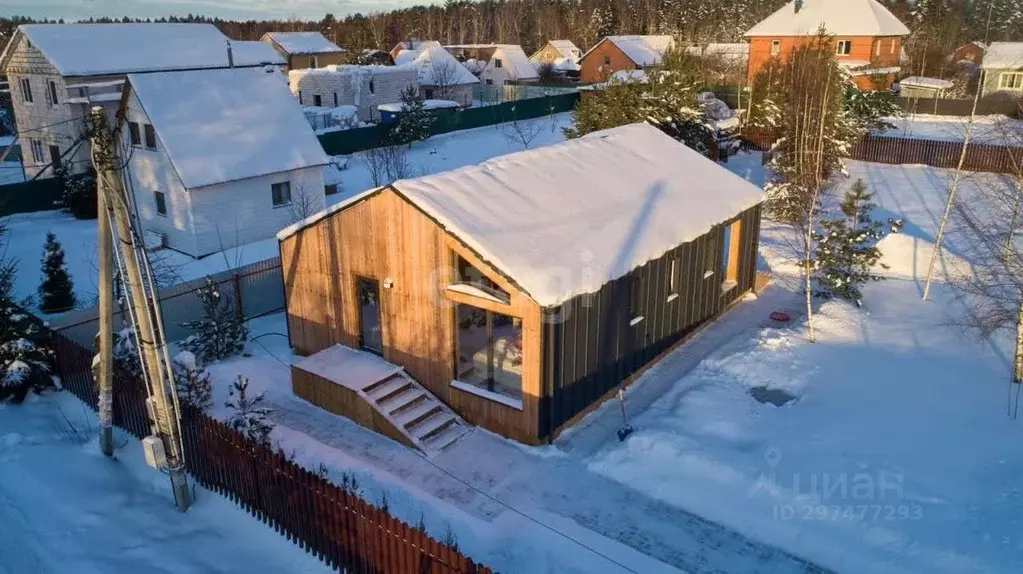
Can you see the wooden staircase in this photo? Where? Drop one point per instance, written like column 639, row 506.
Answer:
column 378, row 395
column 425, row 421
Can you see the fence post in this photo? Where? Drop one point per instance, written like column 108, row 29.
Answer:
column 239, row 308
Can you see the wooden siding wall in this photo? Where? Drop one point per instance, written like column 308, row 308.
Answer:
column 385, row 237
column 590, row 346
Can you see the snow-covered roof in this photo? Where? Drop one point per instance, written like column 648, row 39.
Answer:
column 566, row 65
column 566, row 48
column 99, row 49
column 642, row 50
column 228, row 124
column 515, row 60
column 929, row 83
column 839, row 17
column 595, row 207
column 303, row 42
column 739, row 51
column 1003, row 56
column 351, row 69
column 255, row 53
column 431, row 60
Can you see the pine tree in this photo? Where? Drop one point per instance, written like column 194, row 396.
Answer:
column 414, row 122
column 126, row 353
column 25, row 356
column 78, row 196
column 220, row 333
column 57, row 291
column 249, row 415
column 847, row 249
column 192, row 381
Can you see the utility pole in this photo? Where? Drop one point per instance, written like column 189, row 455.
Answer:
column 163, row 411
column 105, row 378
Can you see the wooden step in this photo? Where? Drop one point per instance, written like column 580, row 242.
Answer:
column 397, row 401
column 432, row 425
column 444, row 438
column 391, row 387
column 409, row 417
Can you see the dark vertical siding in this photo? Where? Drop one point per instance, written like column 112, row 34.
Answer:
column 589, row 344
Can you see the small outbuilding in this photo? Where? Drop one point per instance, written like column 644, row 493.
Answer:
column 305, row 49
column 922, row 87
column 521, row 292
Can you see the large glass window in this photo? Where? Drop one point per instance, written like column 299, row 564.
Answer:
column 469, row 275
column 488, row 351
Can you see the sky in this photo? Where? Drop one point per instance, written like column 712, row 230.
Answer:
column 230, row 9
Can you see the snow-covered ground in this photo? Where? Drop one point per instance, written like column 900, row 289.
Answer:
column 896, row 455
column 991, row 130
column 64, row 507
column 27, row 231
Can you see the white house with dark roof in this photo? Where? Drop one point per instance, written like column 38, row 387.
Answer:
column 218, row 158
column 305, row 49
column 57, row 72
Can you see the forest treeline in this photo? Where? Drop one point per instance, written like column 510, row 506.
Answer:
column 937, row 26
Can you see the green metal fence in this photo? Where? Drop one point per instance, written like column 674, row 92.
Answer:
column 29, row 196
column 360, row 139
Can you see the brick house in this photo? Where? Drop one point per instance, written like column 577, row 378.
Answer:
column 305, row 49
column 58, row 72
column 867, row 37
column 364, row 87
column 622, row 53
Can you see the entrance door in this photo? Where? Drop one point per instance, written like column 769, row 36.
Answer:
column 368, row 295
column 55, row 156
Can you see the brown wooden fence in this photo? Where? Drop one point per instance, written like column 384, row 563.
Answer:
column 897, row 150
column 340, row 528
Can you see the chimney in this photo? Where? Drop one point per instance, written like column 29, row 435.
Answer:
column 230, row 55
column 798, row 5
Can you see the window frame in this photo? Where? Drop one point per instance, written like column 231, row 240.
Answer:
column 1012, row 81
column 25, row 87
column 335, row 99
column 330, row 189
column 731, row 251
column 53, row 91
column 775, row 47
column 498, row 63
column 891, row 51
column 160, row 202
column 36, row 147
column 134, row 134
column 847, row 44
column 274, row 195
column 149, row 131
column 877, row 47
column 317, row 100
column 489, row 386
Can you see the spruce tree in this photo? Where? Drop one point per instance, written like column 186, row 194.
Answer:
column 192, row 381
column 25, row 356
column 249, row 414
column 847, row 250
column 79, row 192
column 126, row 353
column 414, row 122
column 57, row 291
column 220, row 333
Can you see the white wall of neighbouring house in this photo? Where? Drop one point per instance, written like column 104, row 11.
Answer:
column 238, row 212
column 151, row 171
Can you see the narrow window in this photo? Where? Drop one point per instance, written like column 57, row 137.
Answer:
column 844, row 48
column 330, row 189
column 490, row 82
column 37, row 151
column 673, row 280
column 317, row 100
column 708, row 255
column 488, row 350
column 335, row 99
column 315, row 62
column 730, row 254
column 300, row 97
column 280, row 193
column 607, row 60
column 877, row 47
column 150, row 136
column 891, row 50
column 498, row 63
column 161, row 202
column 775, row 47
column 26, row 90
column 53, row 93
column 372, row 86
column 133, row 131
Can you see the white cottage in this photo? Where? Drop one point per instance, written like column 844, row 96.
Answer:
column 218, row 158
column 497, row 63
column 364, row 87
column 57, row 72
column 441, row 76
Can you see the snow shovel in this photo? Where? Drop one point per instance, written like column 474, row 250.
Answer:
column 626, row 428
